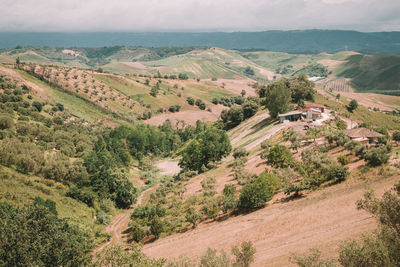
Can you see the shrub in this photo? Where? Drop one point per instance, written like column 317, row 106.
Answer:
column 272, row 180
column 255, row 194
column 280, row 156
column 377, row 155
column 190, row 100
column 396, row 136
column 341, row 125
column 353, row 105
column 84, row 194
column 37, row 105
column 245, row 254
column 240, row 152
column 343, row 159
column 6, row 122
column 340, row 173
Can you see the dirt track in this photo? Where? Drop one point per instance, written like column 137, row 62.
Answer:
column 322, row 220
column 119, row 224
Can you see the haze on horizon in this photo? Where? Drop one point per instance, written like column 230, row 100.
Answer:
column 198, row 15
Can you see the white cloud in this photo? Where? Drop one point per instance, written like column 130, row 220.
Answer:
column 197, row 15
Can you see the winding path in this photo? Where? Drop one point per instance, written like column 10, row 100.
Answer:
column 119, row 224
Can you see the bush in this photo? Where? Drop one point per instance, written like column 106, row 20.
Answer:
column 377, row 155
column 255, row 194
column 37, row 105
column 190, row 100
column 353, row 105
column 6, row 122
column 396, row 136
column 340, row 173
column 280, row 156
column 341, row 125
column 343, row 159
column 272, row 180
column 240, row 152
column 84, row 194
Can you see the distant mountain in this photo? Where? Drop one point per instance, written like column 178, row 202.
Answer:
column 304, row 41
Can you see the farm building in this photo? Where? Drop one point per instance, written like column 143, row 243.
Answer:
column 320, row 107
column 312, row 112
column 362, row 135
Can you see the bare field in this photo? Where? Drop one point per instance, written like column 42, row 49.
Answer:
column 322, row 220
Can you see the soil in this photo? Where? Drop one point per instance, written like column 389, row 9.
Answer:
column 320, row 220
column 189, row 116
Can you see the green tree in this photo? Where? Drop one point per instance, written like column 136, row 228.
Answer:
column 35, row 236
column 209, row 146
column 243, row 93
column 245, row 254
column 192, row 216
column 37, row 105
column 341, row 125
column 353, row 105
column 280, row 156
column 278, row 98
column 190, row 100
column 396, row 136
column 255, row 194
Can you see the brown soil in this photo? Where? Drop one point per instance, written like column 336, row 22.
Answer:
column 38, row 91
column 189, row 116
column 236, row 85
column 321, row 220
column 168, row 167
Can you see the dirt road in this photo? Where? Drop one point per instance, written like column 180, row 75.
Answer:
column 119, row 224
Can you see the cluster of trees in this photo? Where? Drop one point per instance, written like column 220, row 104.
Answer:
column 375, row 155
column 228, row 101
column 33, row 235
column 279, row 95
column 198, row 102
column 208, row 147
column 235, row 115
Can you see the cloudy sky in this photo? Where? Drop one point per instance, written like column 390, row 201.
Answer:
column 198, row 15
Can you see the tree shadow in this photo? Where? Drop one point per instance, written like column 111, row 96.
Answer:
column 291, row 198
column 265, row 122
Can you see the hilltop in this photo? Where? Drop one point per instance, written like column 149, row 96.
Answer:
column 314, row 41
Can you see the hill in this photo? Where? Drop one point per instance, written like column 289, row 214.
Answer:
column 368, row 73
column 314, row 41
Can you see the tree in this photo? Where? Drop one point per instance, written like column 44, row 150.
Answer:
column 243, row 93
column 352, row 105
column 6, row 122
column 190, row 100
column 209, row 146
column 245, row 254
column 37, row 105
column 35, row 236
column 156, row 226
column 17, row 62
column 250, row 107
column 154, row 91
column 229, row 200
column 183, row 76
column 278, row 98
column 341, row 125
column 280, row 156
column 396, row 136
column 249, row 71
column 255, row 194
column 192, row 216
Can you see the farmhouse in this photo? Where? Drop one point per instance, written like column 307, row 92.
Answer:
column 312, row 111
column 362, row 135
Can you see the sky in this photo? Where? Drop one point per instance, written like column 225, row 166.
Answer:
column 198, row 15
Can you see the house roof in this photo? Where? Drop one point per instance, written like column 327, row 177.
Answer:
column 361, row 132
column 314, row 105
column 294, row 112
column 312, row 109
